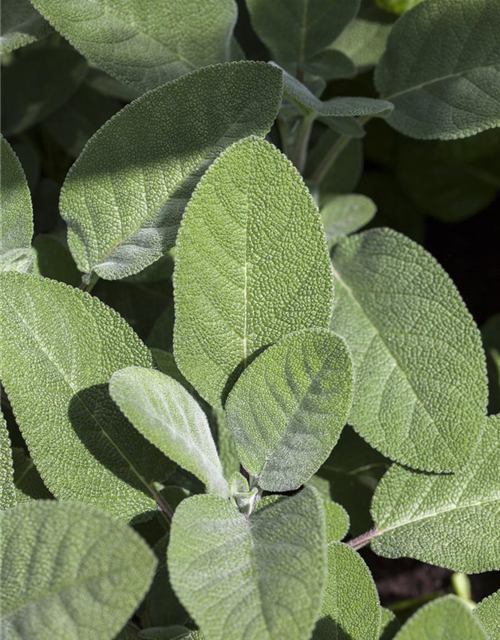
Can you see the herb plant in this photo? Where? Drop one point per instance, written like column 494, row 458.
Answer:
column 217, row 388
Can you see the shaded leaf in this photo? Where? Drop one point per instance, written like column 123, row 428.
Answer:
column 337, row 522
column 390, row 625
column 29, row 485
column 345, row 214
column 20, row 25
column 7, row 489
column 488, row 614
column 53, row 260
column 491, row 340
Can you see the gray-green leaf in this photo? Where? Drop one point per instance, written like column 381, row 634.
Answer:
column 69, row 571
column 337, row 521
column 443, row 85
column 488, row 614
column 421, row 388
column 345, row 214
column 124, row 197
column 235, row 575
column 7, row 488
column 491, row 340
column 389, row 626
column 20, row 25
column 250, row 248
column 287, row 409
column 449, row 520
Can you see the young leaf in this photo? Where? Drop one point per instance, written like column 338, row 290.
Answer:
column 397, row 6
column 447, row 618
column 7, row 487
column 421, row 390
column 351, row 608
column 240, row 568
column 337, row 522
column 491, row 340
column 433, row 66
column 20, row 25
column 69, row 571
column 287, row 409
column 389, row 626
column 124, row 197
column 58, row 350
column 488, row 614
column 167, row 415
column 449, row 520
column 345, row 214
column 145, row 45
column 251, row 245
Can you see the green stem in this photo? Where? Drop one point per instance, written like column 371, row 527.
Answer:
column 413, row 603
column 89, row 281
column 301, row 144
column 284, row 135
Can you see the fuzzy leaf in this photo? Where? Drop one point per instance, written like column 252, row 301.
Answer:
column 287, row 409
column 345, row 214
column 390, row 625
column 337, row 522
column 124, row 197
column 330, row 65
column 443, row 85
column 63, row 345
column 145, row 45
column 251, row 245
column 444, row 519
column 7, row 487
column 69, row 571
column 351, row 608
column 488, row 614
column 421, row 389
column 20, row 25
column 447, row 618
column 167, row 415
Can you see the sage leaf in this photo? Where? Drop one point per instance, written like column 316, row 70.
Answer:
column 337, row 522
column 447, row 618
column 287, row 409
column 7, row 487
column 389, row 626
column 145, row 46
column 330, row 65
column 63, row 345
column 69, row 571
column 53, row 260
column 441, row 83
column 491, row 340
column 250, row 246
column 488, row 614
column 435, row 518
column 421, row 389
column 170, row 633
column 21, row 25
column 221, row 560
column 397, row 6
column 167, row 415
column 124, row 197
column 351, row 608
column 28, row 484
column 345, row 214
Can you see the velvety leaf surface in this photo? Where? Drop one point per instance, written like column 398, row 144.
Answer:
column 449, row 520
column 447, row 618
column 124, row 197
column 63, row 345
column 167, row 415
column 345, row 214
column 389, row 626
column 251, row 246
column 421, row 389
column 441, row 69
column 287, row 409
column 351, row 608
column 491, row 340
column 20, row 25
column 488, row 614
column 235, row 575
column 7, row 487
column 337, row 522
column 69, row 571
column 145, row 46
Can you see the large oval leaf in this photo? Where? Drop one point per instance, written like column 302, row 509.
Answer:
column 21, row 25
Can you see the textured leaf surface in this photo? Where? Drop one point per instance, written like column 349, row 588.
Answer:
column 447, row 619
column 351, row 608
column 167, row 415
column 251, row 246
column 124, row 197
column 491, row 340
column 337, row 522
column 7, row 488
column 488, row 614
column 345, row 214
column 62, row 345
column 443, row 85
column 69, row 571
column 21, row 25
column 145, row 46
column 389, row 626
column 397, row 6
column 236, row 576
column 287, row 409
column 420, row 393
column 449, row 520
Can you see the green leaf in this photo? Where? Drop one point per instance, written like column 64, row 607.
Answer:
column 124, row 197
column 63, row 345
column 447, row 618
column 250, row 246
column 421, row 390
column 488, row 614
column 53, row 260
column 166, row 364
column 145, row 46
column 337, row 522
column 449, row 520
column 20, row 25
column 330, row 65
column 170, row 633
column 167, row 415
column 491, row 340
column 443, row 85
column 287, row 409
column 351, row 608
column 345, row 214
column 29, row 485
column 240, row 568
column 69, row 571
column 397, row 6
column 7, row 487
column 226, row 446
column 390, row 625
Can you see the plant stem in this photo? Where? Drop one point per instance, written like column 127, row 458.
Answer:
column 301, row 144
column 89, row 281
column 162, row 505
column 364, row 539
column 413, row 603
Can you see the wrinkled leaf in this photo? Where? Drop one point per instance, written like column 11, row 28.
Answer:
column 345, row 214
column 7, row 488
column 337, row 522
column 29, row 485
column 488, row 614
column 20, row 25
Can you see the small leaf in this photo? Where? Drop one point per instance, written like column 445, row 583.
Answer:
column 345, row 214
column 421, row 390
column 390, row 625
column 69, row 571
column 488, row 614
column 167, row 415
column 251, row 245
column 337, row 522
column 20, row 25
column 7, row 488
column 491, row 340
column 351, row 608
column 436, row 518
column 397, row 6
column 433, row 66
column 447, row 618
column 330, row 65
column 124, row 197
column 53, row 260
column 287, row 409
column 145, row 46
